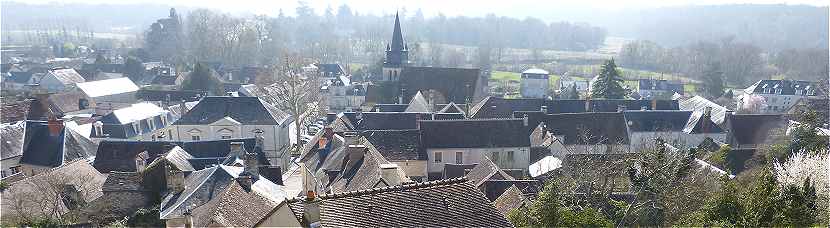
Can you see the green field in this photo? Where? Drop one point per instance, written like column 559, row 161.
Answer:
column 690, row 86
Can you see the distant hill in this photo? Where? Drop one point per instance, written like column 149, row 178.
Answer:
column 771, row 27
column 117, row 18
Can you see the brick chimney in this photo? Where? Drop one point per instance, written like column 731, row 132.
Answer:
column 544, row 109
column 55, row 126
column 251, row 164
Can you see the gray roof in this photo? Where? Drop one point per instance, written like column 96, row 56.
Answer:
column 44, row 148
column 236, row 206
column 511, row 199
column 698, row 104
column 31, row 194
column 202, row 186
column 474, row 133
column 486, row 170
column 245, row 110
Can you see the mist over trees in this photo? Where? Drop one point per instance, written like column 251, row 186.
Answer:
column 770, row 27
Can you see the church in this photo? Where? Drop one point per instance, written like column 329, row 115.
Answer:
column 400, row 81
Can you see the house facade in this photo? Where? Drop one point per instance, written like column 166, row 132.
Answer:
column 776, row 96
column 142, row 121
column 505, row 141
column 237, row 117
column 534, row 83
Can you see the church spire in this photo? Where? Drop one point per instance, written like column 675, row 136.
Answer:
column 397, row 36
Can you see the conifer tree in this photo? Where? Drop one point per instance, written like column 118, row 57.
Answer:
column 609, row 83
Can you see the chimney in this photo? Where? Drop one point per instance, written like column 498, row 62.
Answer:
column 544, row 109
column 311, row 211
column 245, row 180
column 654, row 104
column 587, row 105
column 175, row 179
column 525, row 120
column 389, row 173
column 237, row 149
column 55, row 126
column 251, row 164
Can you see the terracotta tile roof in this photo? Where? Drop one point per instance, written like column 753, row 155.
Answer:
column 233, row 207
column 443, row 203
column 511, row 199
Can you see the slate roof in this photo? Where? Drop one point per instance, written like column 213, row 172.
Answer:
column 455, row 84
column 233, row 207
column 474, row 133
column 330, row 69
column 42, row 148
column 656, row 121
column 511, row 199
column 67, row 76
column 397, row 145
column 107, row 87
column 457, row 170
column 170, row 95
column 602, row 127
column 698, row 104
column 443, row 203
column 117, row 155
column 656, row 84
column 122, row 181
column 246, row 110
column 203, row 186
column 389, row 107
column 754, row 128
column 418, row 104
column 386, row 120
column 11, row 140
column 788, row 87
column 493, row 107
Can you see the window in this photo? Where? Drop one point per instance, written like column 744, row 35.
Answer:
column 136, row 128
column 152, row 123
column 15, row 169
column 459, row 158
column 438, row 157
column 226, row 136
column 194, row 137
column 163, row 120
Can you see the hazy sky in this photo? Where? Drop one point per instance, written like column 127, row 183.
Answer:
column 516, row 8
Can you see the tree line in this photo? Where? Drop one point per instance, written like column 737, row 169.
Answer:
column 346, row 35
column 740, row 63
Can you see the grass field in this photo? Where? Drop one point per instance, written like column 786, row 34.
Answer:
column 690, row 86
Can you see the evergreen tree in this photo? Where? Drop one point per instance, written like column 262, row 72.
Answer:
column 133, row 69
column 713, row 80
column 609, row 83
column 201, row 80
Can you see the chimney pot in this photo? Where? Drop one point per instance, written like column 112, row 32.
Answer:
column 525, row 120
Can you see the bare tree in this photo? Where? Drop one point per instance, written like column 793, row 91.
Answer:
column 296, row 93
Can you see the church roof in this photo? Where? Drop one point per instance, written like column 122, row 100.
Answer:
column 397, row 36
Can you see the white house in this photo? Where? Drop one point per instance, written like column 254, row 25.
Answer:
column 342, row 95
column 217, row 117
column 534, row 83
column 505, row 141
column 776, row 96
column 60, row 79
column 566, row 82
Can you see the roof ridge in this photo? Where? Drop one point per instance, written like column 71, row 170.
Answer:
column 471, row 120
column 408, row 186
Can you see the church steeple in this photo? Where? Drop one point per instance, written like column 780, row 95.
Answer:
column 396, row 51
column 397, row 36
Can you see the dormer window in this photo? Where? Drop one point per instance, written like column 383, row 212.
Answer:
column 152, row 123
column 99, row 128
column 163, row 120
column 136, row 127
column 195, row 135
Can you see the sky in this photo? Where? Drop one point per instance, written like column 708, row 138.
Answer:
column 548, row 9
